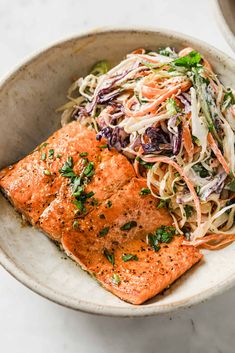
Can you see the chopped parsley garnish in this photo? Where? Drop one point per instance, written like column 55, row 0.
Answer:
column 103, row 232
column 109, row 204
column 47, row 172
column 67, row 169
column 129, row 225
column 116, row 279
column 89, row 169
column 103, row 146
column 43, row 156
column 163, row 234
column 90, row 194
column 58, row 155
column 42, row 146
column 83, row 154
column 76, row 188
column 78, row 183
column 144, row 164
column 188, row 210
column 162, row 204
column 109, row 256
column 75, row 224
column 102, row 216
column 79, row 204
column 128, row 257
column 51, row 153
column 188, row 61
column 145, row 191
column 153, row 241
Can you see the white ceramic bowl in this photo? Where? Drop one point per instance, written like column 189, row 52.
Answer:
column 225, row 11
column 28, row 99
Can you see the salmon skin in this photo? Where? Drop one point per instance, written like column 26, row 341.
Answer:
column 109, row 238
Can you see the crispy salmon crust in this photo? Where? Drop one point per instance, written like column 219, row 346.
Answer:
column 46, row 200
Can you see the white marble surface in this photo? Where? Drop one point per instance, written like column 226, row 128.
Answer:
column 29, row 323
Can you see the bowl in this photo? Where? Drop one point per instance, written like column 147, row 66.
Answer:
column 28, row 99
column 225, row 12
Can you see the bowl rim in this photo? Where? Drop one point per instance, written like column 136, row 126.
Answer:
column 225, row 28
column 82, row 305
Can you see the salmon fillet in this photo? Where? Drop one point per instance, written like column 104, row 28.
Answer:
column 139, row 279
column 31, row 191
column 117, row 217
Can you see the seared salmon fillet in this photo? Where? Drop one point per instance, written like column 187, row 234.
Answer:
column 108, row 235
column 151, row 271
column 34, row 182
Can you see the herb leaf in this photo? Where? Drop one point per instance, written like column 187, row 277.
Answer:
column 109, row 256
column 109, row 204
column 162, row 204
column 103, row 146
column 51, row 153
column 145, row 191
column 89, row 170
column 67, row 169
column 103, row 232
column 129, row 225
column 128, row 257
column 83, row 154
column 79, row 204
column 42, row 146
column 188, row 61
column 153, row 241
column 165, row 234
column 116, row 279
column 144, row 164
column 43, row 156
column 47, row 172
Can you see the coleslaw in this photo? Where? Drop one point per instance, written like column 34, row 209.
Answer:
column 171, row 116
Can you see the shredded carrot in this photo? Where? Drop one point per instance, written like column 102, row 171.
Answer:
column 218, row 153
column 150, row 92
column 187, row 141
column 152, row 106
column 138, row 51
column 169, row 161
column 218, row 241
